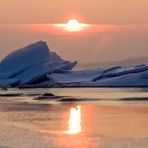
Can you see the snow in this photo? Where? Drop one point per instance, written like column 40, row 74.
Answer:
column 104, row 77
column 128, row 80
column 36, row 72
column 36, row 66
column 24, row 58
column 78, row 76
column 126, row 70
column 30, row 63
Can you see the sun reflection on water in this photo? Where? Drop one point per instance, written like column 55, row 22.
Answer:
column 74, row 123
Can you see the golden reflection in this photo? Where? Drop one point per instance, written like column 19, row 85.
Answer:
column 74, row 123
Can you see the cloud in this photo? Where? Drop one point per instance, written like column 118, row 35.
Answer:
column 53, row 29
column 103, row 42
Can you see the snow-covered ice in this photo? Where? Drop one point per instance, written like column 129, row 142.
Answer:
column 36, row 66
column 31, row 63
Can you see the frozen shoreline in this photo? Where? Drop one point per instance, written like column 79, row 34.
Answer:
column 35, row 66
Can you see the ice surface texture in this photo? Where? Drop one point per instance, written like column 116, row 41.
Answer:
column 36, row 66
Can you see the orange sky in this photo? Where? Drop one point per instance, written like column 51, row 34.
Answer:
column 103, row 46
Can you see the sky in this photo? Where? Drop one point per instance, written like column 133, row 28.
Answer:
column 127, row 38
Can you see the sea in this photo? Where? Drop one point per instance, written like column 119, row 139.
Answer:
column 74, row 118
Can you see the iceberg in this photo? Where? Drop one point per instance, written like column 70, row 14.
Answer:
column 30, row 64
column 36, row 66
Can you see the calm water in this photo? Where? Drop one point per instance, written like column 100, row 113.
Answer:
column 28, row 123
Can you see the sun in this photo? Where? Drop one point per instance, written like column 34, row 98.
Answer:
column 73, row 25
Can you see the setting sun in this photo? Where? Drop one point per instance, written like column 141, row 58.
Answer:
column 73, row 25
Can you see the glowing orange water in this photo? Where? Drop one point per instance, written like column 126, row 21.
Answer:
column 74, row 123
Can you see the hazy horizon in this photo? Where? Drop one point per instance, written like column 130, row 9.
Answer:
column 129, row 41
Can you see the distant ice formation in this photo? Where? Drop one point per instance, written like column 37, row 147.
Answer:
column 36, row 66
